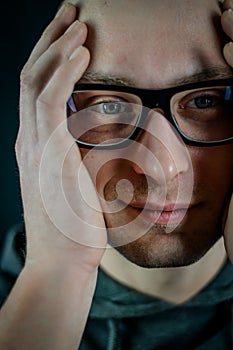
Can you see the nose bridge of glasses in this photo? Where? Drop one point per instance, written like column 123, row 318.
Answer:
column 158, row 101
column 157, row 122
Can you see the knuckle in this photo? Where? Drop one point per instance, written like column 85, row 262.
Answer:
column 18, row 146
column 27, row 154
column 43, row 102
column 47, row 35
column 26, row 78
column 56, row 51
column 47, row 102
column 24, row 72
column 60, row 51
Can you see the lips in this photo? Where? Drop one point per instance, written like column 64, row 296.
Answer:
column 170, row 213
column 160, row 207
column 164, row 217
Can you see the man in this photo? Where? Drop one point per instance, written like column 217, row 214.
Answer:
column 164, row 190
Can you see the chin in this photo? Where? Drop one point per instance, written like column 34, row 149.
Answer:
column 162, row 250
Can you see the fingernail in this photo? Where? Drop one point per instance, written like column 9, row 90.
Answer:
column 62, row 9
column 73, row 25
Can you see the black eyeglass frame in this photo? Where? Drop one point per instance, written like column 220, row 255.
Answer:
column 148, row 98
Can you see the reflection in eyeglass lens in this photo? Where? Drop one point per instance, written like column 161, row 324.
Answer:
column 97, row 116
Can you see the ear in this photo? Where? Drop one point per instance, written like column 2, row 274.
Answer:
column 228, row 231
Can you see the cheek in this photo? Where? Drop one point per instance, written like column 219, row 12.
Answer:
column 102, row 167
column 213, row 167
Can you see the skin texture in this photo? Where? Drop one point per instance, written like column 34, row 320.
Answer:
column 49, row 304
column 178, row 50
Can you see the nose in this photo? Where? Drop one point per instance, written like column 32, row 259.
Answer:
column 158, row 151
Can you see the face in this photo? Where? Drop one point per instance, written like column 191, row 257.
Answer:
column 158, row 45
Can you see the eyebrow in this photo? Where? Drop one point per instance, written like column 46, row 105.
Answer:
column 209, row 73
column 106, row 79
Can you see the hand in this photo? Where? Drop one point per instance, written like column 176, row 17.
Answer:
column 227, row 24
column 57, row 62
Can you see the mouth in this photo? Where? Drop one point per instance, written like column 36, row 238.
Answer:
column 168, row 214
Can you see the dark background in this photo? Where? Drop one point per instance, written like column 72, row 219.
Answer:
column 22, row 23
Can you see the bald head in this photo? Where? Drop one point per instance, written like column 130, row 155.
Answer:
column 153, row 44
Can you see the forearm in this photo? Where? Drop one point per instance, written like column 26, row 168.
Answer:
column 47, row 309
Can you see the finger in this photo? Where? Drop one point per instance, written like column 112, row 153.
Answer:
column 65, row 16
column 227, row 4
column 51, row 104
column 228, row 53
column 56, row 28
column 56, row 55
column 40, row 73
column 27, row 112
column 227, row 22
column 227, row 25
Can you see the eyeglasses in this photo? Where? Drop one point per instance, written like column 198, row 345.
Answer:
column 110, row 116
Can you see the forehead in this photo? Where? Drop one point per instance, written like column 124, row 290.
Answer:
column 154, row 42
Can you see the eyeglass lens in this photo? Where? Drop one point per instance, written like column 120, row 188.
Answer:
column 96, row 116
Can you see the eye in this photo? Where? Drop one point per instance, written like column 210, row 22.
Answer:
column 113, row 108
column 204, row 102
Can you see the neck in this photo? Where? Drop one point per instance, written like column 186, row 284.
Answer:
column 175, row 285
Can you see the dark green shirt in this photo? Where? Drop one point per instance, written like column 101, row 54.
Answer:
column 121, row 318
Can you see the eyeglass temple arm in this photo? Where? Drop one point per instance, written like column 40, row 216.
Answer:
column 71, row 104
